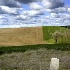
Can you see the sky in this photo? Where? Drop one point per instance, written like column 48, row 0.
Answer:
column 31, row 13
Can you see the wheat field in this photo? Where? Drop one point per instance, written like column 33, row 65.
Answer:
column 21, row 36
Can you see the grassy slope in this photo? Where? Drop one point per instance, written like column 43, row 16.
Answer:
column 49, row 30
column 21, row 36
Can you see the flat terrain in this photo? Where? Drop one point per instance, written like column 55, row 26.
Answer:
column 21, row 36
column 34, row 60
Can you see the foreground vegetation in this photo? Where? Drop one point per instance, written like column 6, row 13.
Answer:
column 10, row 49
column 34, row 60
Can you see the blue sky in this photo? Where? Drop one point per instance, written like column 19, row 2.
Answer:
column 67, row 2
column 31, row 13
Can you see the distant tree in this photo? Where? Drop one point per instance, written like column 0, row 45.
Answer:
column 62, row 36
column 68, row 26
column 67, row 35
column 57, row 35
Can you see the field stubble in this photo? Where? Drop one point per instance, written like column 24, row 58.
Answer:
column 21, row 36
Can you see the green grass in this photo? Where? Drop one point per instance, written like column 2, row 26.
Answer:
column 49, row 30
column 62, row 47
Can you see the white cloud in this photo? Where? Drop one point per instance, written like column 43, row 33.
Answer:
column 33, row 12
column 3, row 19
column 30, row 13
column 8, row 10
column 69, row 9
column 35, row 6
column 13, row 15
column 2, row 16
column 10, row 3
column 54, row 15
column 51, row 4
column 46, row 3
column 59, row 10
column 21, row 17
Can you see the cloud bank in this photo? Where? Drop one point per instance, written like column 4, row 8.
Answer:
column 37, row 13
column 9, row 3
column 51, row 4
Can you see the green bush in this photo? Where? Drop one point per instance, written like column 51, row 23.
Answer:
column 62, row 37
column 62, row 47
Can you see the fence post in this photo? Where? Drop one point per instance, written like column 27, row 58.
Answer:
column 54, row 64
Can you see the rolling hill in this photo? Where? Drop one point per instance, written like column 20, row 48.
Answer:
column 28, row 35
column 21, row 36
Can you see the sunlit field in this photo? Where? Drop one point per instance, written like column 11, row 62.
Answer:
column 51, row 33
column 24, row 50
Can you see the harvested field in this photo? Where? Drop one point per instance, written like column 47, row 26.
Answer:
column 21, row 36
column 34, row 60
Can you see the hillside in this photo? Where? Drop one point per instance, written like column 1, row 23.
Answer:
column 21, row 36
column 30, row 35
column 48, row 32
